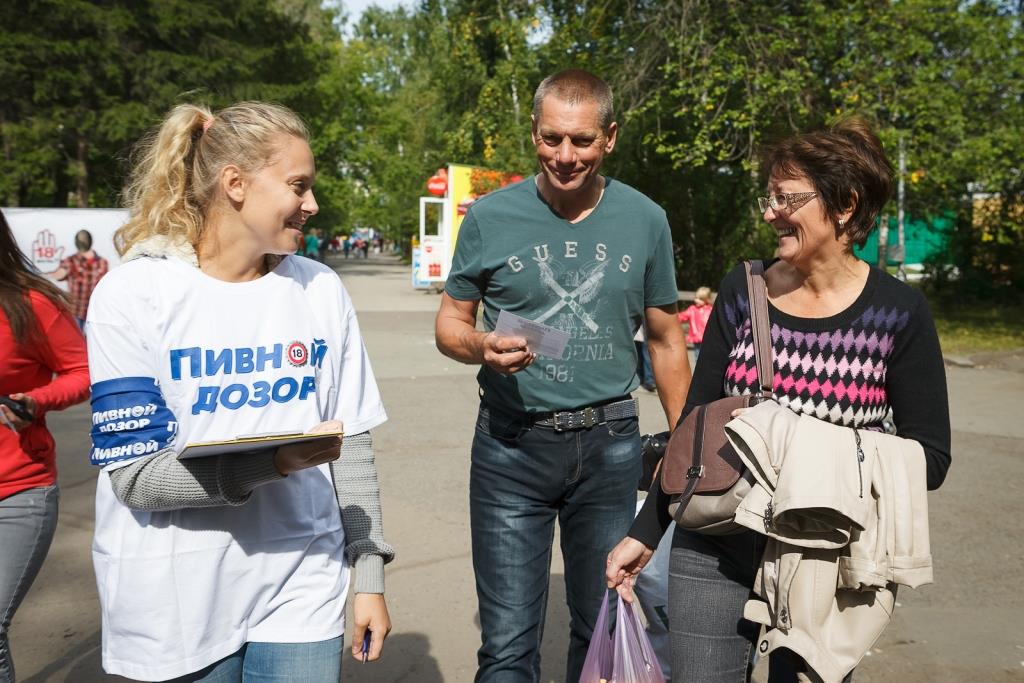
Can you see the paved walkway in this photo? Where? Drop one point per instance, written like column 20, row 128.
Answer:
column 966, row 627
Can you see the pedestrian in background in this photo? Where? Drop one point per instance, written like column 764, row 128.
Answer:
column 852, row 343
column 644, row 369
column 558, row 437
column 231, row 567
column 42, row 368
column 82, row 271
column 323, row 243
column 696, row 316
column 312, row 244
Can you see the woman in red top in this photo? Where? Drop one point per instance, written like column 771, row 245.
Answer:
column 43, row 367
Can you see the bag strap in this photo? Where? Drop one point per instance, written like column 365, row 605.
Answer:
column 757, row 295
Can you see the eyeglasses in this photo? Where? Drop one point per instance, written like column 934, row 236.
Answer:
column 785, row 202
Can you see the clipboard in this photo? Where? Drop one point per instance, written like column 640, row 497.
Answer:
column 251, row 444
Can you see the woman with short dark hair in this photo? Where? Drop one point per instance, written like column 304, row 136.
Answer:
column 43, row 367
column 850, row 344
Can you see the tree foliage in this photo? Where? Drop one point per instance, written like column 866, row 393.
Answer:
column 702, row 87
column 84, row 80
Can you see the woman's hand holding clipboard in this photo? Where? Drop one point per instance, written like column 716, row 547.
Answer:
column 300, row 456
column 292, row 451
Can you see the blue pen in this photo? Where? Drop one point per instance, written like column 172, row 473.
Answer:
column 366, row 645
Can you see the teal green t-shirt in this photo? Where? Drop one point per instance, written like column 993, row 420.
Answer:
column 591, row 279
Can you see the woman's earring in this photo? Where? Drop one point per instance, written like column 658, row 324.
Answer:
column 842, row 223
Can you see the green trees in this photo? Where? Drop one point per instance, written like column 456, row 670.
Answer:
column 83, row 80
column 413, row 90
column 702, row 86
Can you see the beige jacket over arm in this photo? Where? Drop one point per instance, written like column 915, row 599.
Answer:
column 848, row 522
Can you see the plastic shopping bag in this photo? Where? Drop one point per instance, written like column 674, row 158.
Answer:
column 626, row 657
column 597, row 667
column 633, row 657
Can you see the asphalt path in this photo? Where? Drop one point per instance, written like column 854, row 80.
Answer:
column 968, row 626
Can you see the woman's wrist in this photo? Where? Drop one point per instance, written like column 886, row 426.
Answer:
column 369, row 574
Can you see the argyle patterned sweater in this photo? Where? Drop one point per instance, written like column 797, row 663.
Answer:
column 880, row 354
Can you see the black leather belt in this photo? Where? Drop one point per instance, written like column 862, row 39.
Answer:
column 585, row 418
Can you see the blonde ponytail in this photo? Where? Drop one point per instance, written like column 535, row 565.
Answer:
column 175, row 170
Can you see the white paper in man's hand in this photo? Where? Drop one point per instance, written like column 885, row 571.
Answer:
column 541, row 339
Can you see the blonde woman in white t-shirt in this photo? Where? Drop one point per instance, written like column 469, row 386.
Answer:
column 231, row 567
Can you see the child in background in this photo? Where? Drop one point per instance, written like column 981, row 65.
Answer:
column 697, row 314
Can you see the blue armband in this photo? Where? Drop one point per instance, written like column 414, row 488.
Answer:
column 129, row 419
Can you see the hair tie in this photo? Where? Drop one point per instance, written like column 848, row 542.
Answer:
column 206, row 124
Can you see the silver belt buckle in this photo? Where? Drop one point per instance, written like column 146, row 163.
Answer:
column 589, row 417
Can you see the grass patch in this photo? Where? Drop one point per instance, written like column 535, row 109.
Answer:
column 965, row 328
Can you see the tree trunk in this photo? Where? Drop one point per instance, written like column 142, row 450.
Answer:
column 82, row 174
column 61, row 182
column 514, row 90
column 14, row 197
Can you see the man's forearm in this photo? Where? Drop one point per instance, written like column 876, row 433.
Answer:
column 671, row 367
column 460, row 341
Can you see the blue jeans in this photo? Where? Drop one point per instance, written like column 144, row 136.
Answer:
column 27, row 522
column 318, row 662
column 651, row 589
column 710, row 579
column 522, row 477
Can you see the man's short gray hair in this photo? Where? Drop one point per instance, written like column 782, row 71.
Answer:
column 574, row 86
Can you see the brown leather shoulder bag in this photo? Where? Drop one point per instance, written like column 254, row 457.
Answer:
column 701, row 472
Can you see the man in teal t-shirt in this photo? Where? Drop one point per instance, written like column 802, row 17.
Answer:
column 558, row 437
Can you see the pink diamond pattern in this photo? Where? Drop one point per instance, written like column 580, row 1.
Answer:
column 872, row 343
column 837, row 374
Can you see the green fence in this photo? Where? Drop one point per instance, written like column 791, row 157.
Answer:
column 925, row 240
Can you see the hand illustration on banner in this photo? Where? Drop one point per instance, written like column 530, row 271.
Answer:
column 46, row 255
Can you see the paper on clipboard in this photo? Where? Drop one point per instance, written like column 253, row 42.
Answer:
column 250, row 444
column 541, row 339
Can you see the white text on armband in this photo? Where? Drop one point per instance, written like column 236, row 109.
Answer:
column 234, row 396
column 124, row 425
column 244, row 360
column 125, row 450
column 123, row 414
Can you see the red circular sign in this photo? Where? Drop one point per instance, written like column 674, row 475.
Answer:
column 437, row 185
column 297, row 354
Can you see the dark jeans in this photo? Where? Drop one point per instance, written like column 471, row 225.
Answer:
column 523, row 476
column 27, row 523
column 710, row 579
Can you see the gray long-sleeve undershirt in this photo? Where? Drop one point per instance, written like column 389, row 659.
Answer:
column 163, row 482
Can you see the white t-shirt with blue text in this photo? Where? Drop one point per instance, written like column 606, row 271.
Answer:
column 179, row 357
